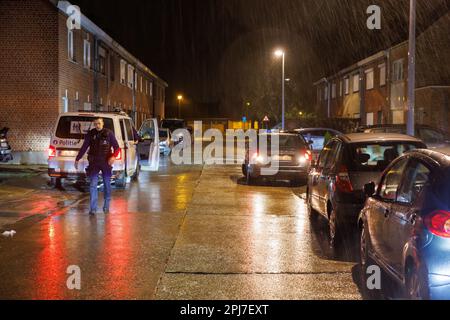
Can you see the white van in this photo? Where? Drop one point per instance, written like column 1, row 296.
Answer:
column 68, row 138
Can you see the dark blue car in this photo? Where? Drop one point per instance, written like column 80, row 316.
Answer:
column 405, row 224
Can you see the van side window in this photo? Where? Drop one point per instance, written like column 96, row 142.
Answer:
column 129, row 130
column 325, row 154
column 122, row 130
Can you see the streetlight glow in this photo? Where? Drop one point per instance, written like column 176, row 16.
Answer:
column 279, row 53
column 180, row 97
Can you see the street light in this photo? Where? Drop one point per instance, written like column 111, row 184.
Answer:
column 180, row 99
column 281, row 54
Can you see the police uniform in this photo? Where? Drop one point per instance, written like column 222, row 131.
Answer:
column 101, row 145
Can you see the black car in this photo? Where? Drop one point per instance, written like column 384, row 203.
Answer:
column 347, row 163
column 291, row 163
column 405, row 224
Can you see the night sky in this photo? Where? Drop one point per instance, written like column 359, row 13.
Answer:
column 219, row 53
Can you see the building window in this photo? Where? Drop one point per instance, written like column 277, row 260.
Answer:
column 112, row 68
column 370, row 79
column 382, row 74
column 130, row 76
column 356, row 83
column 70, row 48
column 146, row 87
column 87, row 54
column 123, row 72
column 102, row 60
column 347, row 85
column 151, row 88
column 341, row 87
column 142, row 85
column 397, row 70
column 325, row 93
column 333, row 91
column 135, row 81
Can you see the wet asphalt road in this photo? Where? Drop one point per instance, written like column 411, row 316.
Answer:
column 187, row 232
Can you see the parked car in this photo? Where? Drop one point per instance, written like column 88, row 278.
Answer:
column 165, row 141
column 317, row 138
column 405, row 224
column 294, row 159
column 434, row 138
column 336, row 182
column 68, row 137
column 5, row 148
column 173, row 125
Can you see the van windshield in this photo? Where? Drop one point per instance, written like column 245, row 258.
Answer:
column 76, row 127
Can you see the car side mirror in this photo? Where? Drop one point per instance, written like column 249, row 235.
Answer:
column 369, row 189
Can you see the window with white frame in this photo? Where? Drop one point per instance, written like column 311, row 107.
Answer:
column 135, row 81
column 146, row 86
column 123, row 72
column 382, row 68
column 142, row 85
column 347, row 85
column 370, row 83
column 87, row 54
column 70, row 47
column 151, row 88
column 130, row 76
column 397, row 70
column 356, row 83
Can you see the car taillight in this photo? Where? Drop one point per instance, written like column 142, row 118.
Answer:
column 51, row 152
column 305, row 157
column 119, row 155
column 438, row 223
column 343, row 183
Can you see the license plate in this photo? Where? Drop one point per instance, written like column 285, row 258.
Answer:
column 282, row 158
column 68, row 153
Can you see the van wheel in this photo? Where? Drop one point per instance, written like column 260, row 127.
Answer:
column 121, row 182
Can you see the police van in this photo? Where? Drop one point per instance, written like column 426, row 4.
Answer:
column 68, row 137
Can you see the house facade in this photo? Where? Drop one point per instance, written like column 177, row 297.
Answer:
column 47, row 68
column 374, row 90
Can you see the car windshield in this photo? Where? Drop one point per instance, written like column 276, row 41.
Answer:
column 76, row 127
column 319, row 138
column 163, row 134
column 377, row 156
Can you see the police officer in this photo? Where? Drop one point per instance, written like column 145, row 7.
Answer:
column 100, row 141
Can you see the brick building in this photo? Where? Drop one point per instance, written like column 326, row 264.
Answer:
column 46, row 69
column 375, row 89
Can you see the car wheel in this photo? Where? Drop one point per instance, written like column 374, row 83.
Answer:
column 249, row 179
column 244, row 170
column 311, row 212
column 416, row 285
column 365, row 262
column 335, row 232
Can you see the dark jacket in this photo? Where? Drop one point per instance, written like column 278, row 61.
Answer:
column 99, row 144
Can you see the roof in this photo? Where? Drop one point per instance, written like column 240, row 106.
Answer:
column 103, row 36
column 96, row 114
column 443, row 159
column 315, row 129
column 377, row 137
